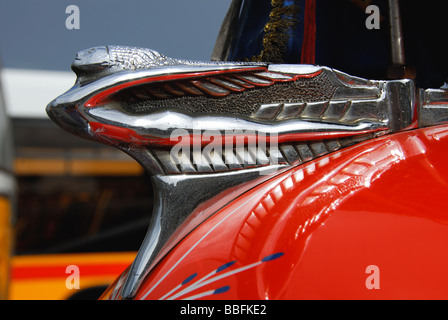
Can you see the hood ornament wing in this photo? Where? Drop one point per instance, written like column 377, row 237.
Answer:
column 200, row 128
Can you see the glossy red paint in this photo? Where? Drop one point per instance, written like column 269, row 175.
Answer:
column 316, row 231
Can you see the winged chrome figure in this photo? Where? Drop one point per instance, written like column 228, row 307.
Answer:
column 148, row 105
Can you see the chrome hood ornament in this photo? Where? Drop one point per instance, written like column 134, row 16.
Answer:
column 200, row 128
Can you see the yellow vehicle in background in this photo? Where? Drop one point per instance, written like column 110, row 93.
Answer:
column 77, row 203
column 82, row 276
column 7, row 196
column 82, row 212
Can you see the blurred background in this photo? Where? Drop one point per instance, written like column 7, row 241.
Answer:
column 78, row 202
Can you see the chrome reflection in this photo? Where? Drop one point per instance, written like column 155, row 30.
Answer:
column 135, row 99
